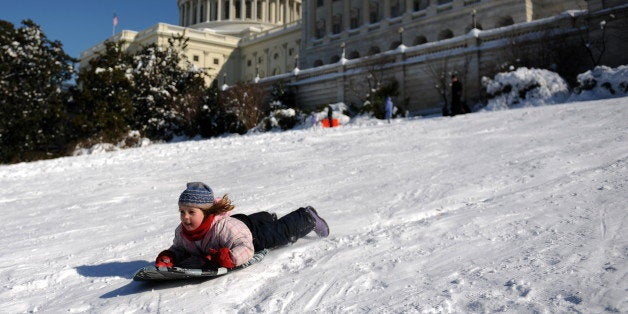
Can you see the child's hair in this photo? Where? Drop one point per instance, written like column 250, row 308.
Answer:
column 222, row 205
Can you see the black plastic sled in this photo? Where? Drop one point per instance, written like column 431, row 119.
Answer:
column 152, row 273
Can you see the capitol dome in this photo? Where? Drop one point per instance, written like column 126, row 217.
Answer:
column 233, row 17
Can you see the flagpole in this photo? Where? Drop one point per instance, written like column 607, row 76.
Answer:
column 115, row 23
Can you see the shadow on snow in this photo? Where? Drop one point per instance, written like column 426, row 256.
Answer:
column 113, row 269
column 127, row 270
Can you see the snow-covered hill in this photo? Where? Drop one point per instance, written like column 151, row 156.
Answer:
column 511, row 211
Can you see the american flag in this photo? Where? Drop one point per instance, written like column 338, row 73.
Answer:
column 115, row 19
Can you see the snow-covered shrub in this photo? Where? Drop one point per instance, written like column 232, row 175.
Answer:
column 374, row 103
column 279, row 119
column 282, row 112
column 168, row 91
column 132, row 139
column 33, row 70
column 103, row 108
column 602, row 82
column 525, row 88
column 246, row 102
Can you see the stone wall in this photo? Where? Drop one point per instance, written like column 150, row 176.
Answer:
column 555, row 43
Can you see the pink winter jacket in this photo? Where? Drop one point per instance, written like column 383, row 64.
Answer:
column 224, row 232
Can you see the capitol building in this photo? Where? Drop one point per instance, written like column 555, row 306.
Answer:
column 332, row 51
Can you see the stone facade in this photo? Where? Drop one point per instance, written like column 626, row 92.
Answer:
column 366, row 27
column 338, row 48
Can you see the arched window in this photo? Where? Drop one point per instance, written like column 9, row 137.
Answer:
column 419, row 40
column 318, row 63
column 504, row 21
column 445, row 34
column 354, row 55
column 374, row 50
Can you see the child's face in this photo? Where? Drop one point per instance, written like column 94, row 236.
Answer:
column 191, row 217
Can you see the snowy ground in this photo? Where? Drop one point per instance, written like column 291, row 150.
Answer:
column 511, row 211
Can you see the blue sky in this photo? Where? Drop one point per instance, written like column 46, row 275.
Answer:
column 80, row 24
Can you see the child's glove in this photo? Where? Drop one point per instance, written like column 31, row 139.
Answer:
column 221, row 257
column 165, row 259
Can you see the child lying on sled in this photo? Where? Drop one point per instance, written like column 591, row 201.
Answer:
column 209, row 236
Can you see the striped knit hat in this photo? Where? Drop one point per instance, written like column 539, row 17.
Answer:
column 197, row 194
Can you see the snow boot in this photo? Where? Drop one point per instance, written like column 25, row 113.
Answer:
column 321, row 228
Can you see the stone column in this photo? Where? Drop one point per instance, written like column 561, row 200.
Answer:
column 386, row 10
column 328, row 5
column 208, row 10
column 277, row 11
column 242, row 10
column 366, row 12
column 309, row 20
column 180, row 16
column 198, row 11
column 184, row 12
column 190, row 13
column 254, row 10
column 271, row 11
column 219, row 10
column 346, row 16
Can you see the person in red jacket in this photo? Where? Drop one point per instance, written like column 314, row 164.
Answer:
column 210, row 237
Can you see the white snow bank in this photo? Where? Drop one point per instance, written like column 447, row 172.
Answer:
column 525, row 88
column 602, row 82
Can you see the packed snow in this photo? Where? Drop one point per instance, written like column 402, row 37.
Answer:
column 506, row 211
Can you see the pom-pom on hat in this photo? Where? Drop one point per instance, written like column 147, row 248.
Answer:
column 197, row 194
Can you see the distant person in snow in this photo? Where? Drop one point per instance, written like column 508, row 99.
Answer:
column 388, row 108
column 456, row 96
column 210, row 237
column 330, row 116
